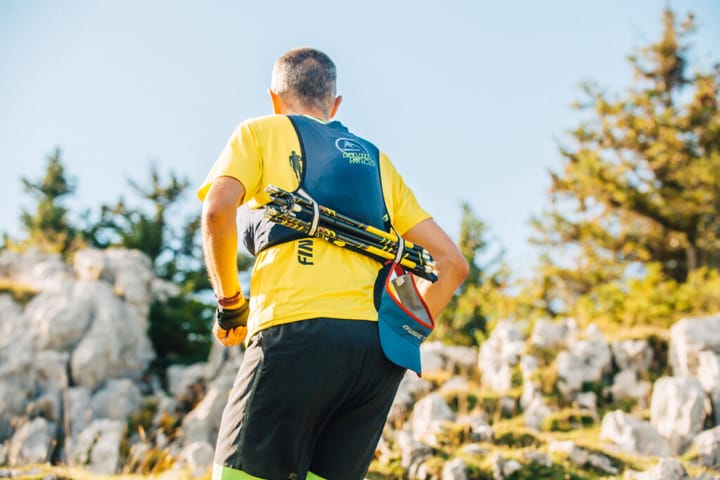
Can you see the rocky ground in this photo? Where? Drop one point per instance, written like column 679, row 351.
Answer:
column 540, row 400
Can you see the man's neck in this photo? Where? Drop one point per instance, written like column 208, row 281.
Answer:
column 310, row 112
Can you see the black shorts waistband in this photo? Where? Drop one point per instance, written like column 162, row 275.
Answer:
column 321, row 334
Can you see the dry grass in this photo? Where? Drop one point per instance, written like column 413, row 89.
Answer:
column 20, row 292
column 50, row 472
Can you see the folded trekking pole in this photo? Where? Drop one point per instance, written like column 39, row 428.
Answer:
column 305, row 215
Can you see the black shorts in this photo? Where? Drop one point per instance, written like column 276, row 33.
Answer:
column 310, row 396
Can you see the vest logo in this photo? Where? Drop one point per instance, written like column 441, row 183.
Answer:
column 305, row 251
column 414, row 333
column 354, row 151
column 296, row 164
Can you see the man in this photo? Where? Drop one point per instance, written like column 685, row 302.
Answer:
column 314, row 388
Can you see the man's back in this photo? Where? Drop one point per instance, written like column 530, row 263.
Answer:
column 310, row 278
column 315, row 385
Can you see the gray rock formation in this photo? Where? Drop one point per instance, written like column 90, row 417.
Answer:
column 500, row 353
column 666, row 469
column 584, row 361
column 630, row 434
column 677, row 410
column 635, row 355
column 707, row 446
column 688, row 339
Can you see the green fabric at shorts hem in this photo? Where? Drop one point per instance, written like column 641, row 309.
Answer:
column 221, row 472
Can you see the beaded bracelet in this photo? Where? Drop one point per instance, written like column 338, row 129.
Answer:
column 228, row 301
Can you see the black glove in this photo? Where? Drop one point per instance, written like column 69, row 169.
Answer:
column 229, row 318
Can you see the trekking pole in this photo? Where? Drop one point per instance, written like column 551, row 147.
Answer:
column 363, row 236
column 342, row 239
column 288, row 199
column 292, row 202
column 418, row 255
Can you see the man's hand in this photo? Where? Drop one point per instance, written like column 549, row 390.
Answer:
column 451, row 266
column 230, row 326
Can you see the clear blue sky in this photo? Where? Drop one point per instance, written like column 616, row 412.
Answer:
column 469, row 98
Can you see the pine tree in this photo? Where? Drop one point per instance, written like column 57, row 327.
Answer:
column 179, row 326
column 48, row 226
column 466, row 319
column 143, row 228
column 640, row 181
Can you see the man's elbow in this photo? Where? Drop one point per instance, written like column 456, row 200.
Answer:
column 222, row 201
column 461, row 267
column 456, row 267
column 215, row 213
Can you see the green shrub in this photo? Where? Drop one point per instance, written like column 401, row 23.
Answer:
column 567, row 420
column 516, row 437
column 180, row 330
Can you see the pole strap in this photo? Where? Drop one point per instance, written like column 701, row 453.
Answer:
column 316, row 212
column 400, row 247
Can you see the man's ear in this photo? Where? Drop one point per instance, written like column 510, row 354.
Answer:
column 336, row 105
column 276, row 102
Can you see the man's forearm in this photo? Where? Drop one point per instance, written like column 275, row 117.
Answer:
column 451, row 266
column 219, row 232
column 437, row 295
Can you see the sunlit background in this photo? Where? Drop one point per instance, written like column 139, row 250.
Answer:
column 471, row 99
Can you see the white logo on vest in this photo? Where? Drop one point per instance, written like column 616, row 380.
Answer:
column 354, row 151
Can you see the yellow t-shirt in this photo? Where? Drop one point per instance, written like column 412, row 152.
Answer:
column 309, row 278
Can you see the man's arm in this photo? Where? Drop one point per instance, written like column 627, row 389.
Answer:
column 451, row 266
column 219, row 233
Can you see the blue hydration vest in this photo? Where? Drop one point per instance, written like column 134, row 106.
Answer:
column 338, row 169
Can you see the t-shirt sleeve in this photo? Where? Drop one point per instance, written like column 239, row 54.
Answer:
column 240, row 159
column 405, row 211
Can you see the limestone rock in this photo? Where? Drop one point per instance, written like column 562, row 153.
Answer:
column 115, row 344
column 52, row 370
column 500, row 353
column 98, row 446
column 688, row 338
column 582, row 457
column 707, row 445
column 198, row 457
column 130, row 272
column 677, row 410
column 37, row 270
column 11, row 315
column 633, row 435
column 411, row 387
column 451, row 358
column 709, row 376
column 58, row 318
column 32, row 443
column 455, row 469
column 547, row 334
column 666, row 469
column 429, row 415
column 412, row 452
column 89, row 264
column 117, row 400
column 79, row 410
column 203, row 422
column 584, row 361
column 635, row 355
column 180, row 378
column 626, row 385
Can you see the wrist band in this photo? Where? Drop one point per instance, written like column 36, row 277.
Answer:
column 230, row 318
column 229, row 301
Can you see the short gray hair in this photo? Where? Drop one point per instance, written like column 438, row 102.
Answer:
column 305, row 74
